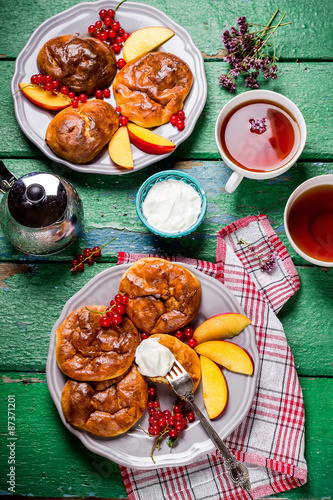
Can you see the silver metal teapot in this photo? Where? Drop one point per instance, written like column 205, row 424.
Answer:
column 41, row 213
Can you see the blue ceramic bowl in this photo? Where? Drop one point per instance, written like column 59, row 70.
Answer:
column 162, row 176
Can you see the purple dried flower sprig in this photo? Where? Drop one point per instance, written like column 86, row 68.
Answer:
column 267, row 265
column 247, row 53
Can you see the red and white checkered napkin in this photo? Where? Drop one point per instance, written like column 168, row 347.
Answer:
column 270, row 440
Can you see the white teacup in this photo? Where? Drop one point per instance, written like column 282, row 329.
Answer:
column 320, row 180
column 258, row 95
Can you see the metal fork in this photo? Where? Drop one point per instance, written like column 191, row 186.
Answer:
column 182, row 384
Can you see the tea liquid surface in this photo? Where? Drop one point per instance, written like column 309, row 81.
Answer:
column 310, row 222
column 260, row 151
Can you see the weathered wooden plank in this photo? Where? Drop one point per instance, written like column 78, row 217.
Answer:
column 307, row 84
column 42, row 440
column 31, row 300
column 204, row 20
column 109, row 203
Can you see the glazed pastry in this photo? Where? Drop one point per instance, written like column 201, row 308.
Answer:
column 84, row 65
column 79, row 134
column 151, row 88
column 184, row 354
column 163, row 296
column 87, row 351
column 106, row 408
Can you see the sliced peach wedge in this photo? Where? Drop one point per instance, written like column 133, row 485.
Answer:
column 149, row 142
column 120, row 149
column 221, row 326
column 145, row 40
column 44, row 98
column 214, row 386
column 225, row 353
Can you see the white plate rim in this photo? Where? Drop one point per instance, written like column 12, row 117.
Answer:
column 55, row 379
column 199, row 87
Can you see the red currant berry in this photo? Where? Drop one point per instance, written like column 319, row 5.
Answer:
column 144, row 336
column 117, row 319
column 179, row 334
column 90, row 261
column 103, row 36
column 33, row 79
column 106, row 93
column 111, row 12
column 103, row 13
column 74, row 270
column 167, row 414
column 125, row 36
column 75, row 262
column 99, row 94
column 105, row 321
column 92, row 29
column 179, row 426
column 98, row 24
column 172, row 421
column 108, row 21
column 192, row 343
column 80, row 257
column 179, row 417
column 48, row 87
column 118, row 109
column 39, row 79
column 87, row 252
column 48, row 79
column 118, row 298
column 150, row 403
column 152, row 392
column 180, row 124
column 119, row 40
column 80, row 268
column 71, row 95
column 161, row 422
column 173, row 119
column 121, row 309
column 181, row 114
column 177, row 409
column 97, row 34
column 123, row 120
column 188, row 332
column 151, row 420
column 151, row 412
column 115, row 25
column 55, row 84
column 83, row 98
column 158, row 414
column 156, row 404
column 156, row 430
column 96, row 251
column 173, row 433
column 121, row 31
column 64, row 90
column 125, row 299
column 121, row 63
column 190, row 416
column 150, row 430
column 75, row 102
column 116, row 48
column 112, row 303
column 112, row 34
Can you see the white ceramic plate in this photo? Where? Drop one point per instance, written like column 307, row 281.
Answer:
column 132, row 449
column 132, row 16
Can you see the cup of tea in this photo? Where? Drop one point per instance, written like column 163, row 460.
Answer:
column 308, row 220
column 260, row 134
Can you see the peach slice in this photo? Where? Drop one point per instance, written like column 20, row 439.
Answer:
column 221, row 326
column 148, row 141
column 43, row 98
column 215, row 388
column 144, row 40
column 225, row 353
column 120, row 149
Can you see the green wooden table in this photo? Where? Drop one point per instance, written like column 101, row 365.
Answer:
column 51, row 462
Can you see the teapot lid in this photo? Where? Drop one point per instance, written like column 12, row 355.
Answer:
column 37, row 200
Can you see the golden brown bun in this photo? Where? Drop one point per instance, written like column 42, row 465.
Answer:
column 107, row 410
column 87, row 351
column 83, row 64
column 79, row 134
column 184, row 354
column 163, row 296
column 152, row 87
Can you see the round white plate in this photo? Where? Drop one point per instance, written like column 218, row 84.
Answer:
column 132, row 16
column 133, row 448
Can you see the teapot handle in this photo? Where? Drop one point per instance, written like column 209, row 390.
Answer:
column 7, row 179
